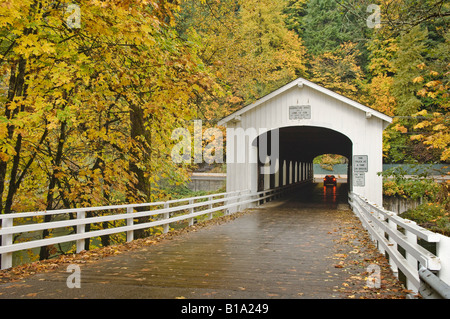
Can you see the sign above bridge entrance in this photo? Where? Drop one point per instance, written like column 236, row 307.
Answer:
column 300, row 112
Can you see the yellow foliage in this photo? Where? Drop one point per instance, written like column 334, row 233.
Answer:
column 72, row 117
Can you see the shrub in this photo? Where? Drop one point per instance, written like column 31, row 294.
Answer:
column 432, row 216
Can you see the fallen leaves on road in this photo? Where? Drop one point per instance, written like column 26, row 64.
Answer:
column 356, row 253
column 21, row 272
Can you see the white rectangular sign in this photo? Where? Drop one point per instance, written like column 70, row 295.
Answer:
column 299, row 112
column 359, row 179
column 360, row 163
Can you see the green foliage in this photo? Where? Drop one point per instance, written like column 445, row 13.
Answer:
column 414, row 72
column 401, row 15
column 295, row 11
column 327, row 161
column 433, row 216
column 411, row 53
column 323, row 27
column 413, row 189
column 182, row 191
column 338, row 70
column 434, row 211
column 410, row 181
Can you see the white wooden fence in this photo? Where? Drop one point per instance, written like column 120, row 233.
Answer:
column 398, row 238
column 186, row 209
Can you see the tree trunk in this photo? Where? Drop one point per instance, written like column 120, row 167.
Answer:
column 140, row 155
column 16, row 88
column 45, row 251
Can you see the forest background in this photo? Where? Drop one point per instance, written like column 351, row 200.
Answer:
column 91, row 91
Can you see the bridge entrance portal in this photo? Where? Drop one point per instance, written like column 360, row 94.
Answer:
column 298, row 146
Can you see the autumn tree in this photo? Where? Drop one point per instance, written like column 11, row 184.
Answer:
column 87, row 112
column 434, row 120
column 245, row 46
column 402, row 15
column 410, row 54
column 339, row 71
column 295, row 11
column 414, row 63
column 382, row 52
column 248, row 47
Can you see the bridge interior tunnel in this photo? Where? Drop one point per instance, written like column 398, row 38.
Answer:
column 293, row 149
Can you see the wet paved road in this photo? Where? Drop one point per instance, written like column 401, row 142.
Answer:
column 283, row 249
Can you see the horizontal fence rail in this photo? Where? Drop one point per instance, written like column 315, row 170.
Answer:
column 398, row 239
column 187, row 209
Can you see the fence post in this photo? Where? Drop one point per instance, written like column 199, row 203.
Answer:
column 392, row 243
column 6, row 241
column 381, row 232
column 191, row 211
column 443, row 252
column 412, row 238
column 80, row 230
column 226, row 202
column 130, row 222
column 210, row 206
column 166, row 216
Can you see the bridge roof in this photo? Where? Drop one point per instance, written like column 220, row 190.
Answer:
column 300, row 82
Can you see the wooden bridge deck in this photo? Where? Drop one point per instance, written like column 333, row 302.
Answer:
column 305, row 246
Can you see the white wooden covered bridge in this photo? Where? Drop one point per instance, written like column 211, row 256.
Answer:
column 273, row 141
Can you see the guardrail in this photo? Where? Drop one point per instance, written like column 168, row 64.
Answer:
column 397, row 238
column 186, row 209
column 431, row 287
